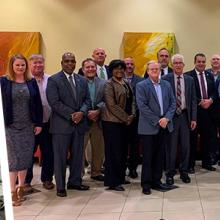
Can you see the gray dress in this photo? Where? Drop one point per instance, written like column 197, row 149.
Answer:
column 19, row 135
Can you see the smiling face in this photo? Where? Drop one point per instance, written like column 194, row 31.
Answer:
column 129, row 66
column 200, row 63
column 163, row 58
column 153, row 70
column 68, row 63
column 19, row 67
column 89, row 69
column 37, row 66
column 215, row 61
column 99, row 56
column 178, row 66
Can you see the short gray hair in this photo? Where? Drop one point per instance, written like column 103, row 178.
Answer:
column 177, row 56
column 36, row 56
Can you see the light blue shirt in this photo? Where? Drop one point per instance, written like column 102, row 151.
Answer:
column 91, row 85
column 159, row 95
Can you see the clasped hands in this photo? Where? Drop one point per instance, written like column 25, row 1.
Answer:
column 129, row 119
column 205, row 103
column 163, row 122
column 77, row 117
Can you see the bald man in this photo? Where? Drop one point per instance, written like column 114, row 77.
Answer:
column 68, row 96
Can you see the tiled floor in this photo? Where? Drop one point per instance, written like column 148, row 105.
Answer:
column 199, row 200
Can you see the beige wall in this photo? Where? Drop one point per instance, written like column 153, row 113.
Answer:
column 82, row 25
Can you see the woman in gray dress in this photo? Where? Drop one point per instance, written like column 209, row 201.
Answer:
column 22, row 109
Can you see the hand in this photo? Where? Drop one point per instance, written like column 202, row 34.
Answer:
column 193, row 125
column 93, row 115
column 77, row 117
column 130, row 119
column 163, row 122
column 37, row 130
column 205, row 103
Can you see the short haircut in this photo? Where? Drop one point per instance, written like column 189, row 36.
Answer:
column 151, row 62
column 161, row 50
column 199, row 55
column 115, row 64
column 36, row 56
column 177, row 56
column 11, row 73
column 87, row 60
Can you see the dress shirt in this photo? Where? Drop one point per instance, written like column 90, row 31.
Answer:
column 165, row 70
column 182, row 84
column 67, row 76
column 42, row 84
column 198, row 77
column 104, row 70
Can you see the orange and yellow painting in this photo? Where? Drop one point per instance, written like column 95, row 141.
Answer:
column 143, row 47
column 12, row 43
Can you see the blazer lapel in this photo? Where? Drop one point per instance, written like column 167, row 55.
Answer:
column 154, row 92
column 172, row 82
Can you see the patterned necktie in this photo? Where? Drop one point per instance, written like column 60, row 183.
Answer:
column 73, row 87
column 178, row 97
column 202, row 81
column 102, row 74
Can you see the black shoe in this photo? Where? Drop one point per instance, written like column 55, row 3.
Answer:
column 185, row 178
column 116, row 188
column 169, row 180
column 61, row 193
column 80, row 187
column 191, row 170
column 146, row 191
column 133, row 174
column 126, row 182
column 209, row 167
column 98, row 178
column 162, row 187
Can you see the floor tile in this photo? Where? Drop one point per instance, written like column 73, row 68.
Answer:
column 105, row 216
column 183, row 215
column 212, row 214
column 57, row 217
column 25, row 217
column 141, row 216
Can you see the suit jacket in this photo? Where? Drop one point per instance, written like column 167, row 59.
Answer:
column 61, row 99
column 35, row 105
column 80, row 72
column 135, row 79
column 149, row 107
column 210, row 85
column 190, row 94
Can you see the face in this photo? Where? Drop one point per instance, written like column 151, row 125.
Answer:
column 68, row 63
column 99, row 56
column 163, row 58
column 89, row 69
column 36, row 66
column 215, row 61
column 19, row 67
column 129, row 65
column 200, row 63
column 118, row 72
column 153, row 71
column 178, row 66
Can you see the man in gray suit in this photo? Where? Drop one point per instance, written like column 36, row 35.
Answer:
column 184, row 119
column 68, row 96
column 94, row 134
column 157, row 105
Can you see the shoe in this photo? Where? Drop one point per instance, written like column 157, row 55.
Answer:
column 169, row 180
column 15, row 200
column 61, row 193
column 191, row 170
column 185, row 178
column 28, row 188
column 20, row 193
column 126, row 182
column 209, row 167
column 133, row 174
column 146, row 191
column 78, row 187
column 116, row 188
column 98, row 178
column 48, row 185
column 162, row 187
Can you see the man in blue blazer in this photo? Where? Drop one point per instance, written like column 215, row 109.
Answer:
column 157, row 105
column 68, row 96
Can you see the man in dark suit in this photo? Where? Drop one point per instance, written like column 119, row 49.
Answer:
column 68, row 96
column 132, row 134
column 95, row 133
column 206, row 95
column 215, row 71
column 99, row 56
column 184, row 119
column 157, row 105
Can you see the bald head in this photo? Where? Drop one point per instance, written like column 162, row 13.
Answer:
column 99, row 56
column 68, row 62
column 215, row 62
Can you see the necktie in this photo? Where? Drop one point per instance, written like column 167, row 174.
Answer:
column 72, row 85
column 102, row 74
column 202, row 81
column 162, row 72
column 178, row 97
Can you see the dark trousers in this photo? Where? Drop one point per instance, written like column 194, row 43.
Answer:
column 208, row 138
column 133, row 145
column 115, row 153
column 179, row 137
column 153, row 156
column 44, row 140
column 62, row 144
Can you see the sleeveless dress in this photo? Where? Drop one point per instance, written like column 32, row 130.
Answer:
column 20, row 135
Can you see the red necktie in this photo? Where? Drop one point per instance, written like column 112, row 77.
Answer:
column 202, row 81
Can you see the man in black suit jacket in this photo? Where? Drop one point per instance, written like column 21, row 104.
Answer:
column 68, row 96
column 184, row 119
column 99, row 56
column 132, row 137
column 206, row 95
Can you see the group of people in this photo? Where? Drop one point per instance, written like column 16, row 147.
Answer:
column 112, row 108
